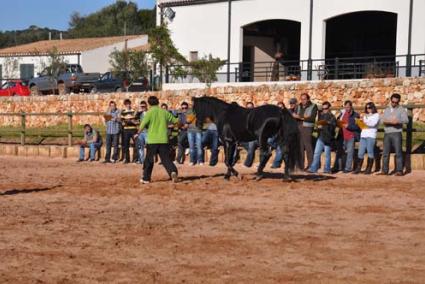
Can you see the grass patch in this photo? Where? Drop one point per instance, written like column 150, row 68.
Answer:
column 37, row 135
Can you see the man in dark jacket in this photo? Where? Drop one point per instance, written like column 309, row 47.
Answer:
column 350, row 133
column 326, row 126
column 182, row 141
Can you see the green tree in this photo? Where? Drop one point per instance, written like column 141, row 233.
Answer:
column 119, row 18
column 147, row 19
column 125, row 62
column 55, row 63
column 109, row 21
column 10, row 68
column 205, row 69
column 162, row 48
column 32, row 34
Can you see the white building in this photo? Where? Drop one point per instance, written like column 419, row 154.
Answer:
column 305, row 31
column 25, row 61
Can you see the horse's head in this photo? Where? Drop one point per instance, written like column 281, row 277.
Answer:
column 207, row 107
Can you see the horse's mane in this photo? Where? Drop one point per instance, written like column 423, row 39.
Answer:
column 208, row 107
column 211, row 101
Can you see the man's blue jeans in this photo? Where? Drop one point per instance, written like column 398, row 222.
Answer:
column 93, row 148
column 277, row 162
column 195, row 147
column 320, row 147
column 349, row 149
column 367, row 144
column 141, row 142
column 210, row 138
column 394, row 140
column 250, row 147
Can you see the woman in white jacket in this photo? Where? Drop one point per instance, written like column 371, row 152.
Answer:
column 370, row 120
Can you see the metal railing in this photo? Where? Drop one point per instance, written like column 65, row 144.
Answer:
column 421, row 68
column 320, row 69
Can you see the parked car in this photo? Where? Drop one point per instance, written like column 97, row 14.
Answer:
column 71, row 78
column 117, row 82
column 15, row 88
column 108, row 82
column 139, row 85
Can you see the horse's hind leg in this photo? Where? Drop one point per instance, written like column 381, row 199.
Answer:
column 233, row 149
column 286, row 174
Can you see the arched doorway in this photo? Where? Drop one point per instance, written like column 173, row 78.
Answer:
column 262, row 41
column 361, row 42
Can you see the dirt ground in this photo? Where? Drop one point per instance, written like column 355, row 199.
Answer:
column 65, row 222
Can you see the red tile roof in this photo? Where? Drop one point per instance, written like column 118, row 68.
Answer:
column 65, row 46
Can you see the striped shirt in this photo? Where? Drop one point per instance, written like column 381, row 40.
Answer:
column 127, row 118
column 113, row 125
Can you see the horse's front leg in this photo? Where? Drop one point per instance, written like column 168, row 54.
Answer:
column 227, row 160
column 234, row 152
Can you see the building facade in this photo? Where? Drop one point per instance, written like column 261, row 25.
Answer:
column 307, row 33
column 25, row 61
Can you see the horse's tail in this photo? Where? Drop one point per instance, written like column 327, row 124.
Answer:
column 290, row 135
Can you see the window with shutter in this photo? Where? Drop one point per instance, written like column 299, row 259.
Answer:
column 27, row 71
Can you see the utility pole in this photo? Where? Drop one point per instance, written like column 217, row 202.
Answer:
column 161, row 11
column 409, row 43
column 310, row 46
column 229, row 38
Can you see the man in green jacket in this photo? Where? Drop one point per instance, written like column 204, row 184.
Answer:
column 157, row 120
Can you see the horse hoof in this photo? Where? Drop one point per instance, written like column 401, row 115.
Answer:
column 226, row 177
column 288, row 179
column 258, row 178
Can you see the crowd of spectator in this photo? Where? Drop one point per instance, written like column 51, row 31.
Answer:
column 338, row 133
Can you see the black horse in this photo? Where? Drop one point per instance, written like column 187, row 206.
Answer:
column 236, row 124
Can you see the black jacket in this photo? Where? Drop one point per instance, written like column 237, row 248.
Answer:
column 327, row 132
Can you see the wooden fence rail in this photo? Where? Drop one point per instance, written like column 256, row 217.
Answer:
column 409, row 130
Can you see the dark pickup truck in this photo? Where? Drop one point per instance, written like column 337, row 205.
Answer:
column 113, row 82
column 71, row 79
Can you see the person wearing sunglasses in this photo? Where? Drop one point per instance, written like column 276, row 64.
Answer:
column 370, row 120
column 142, row 136
column 305, row 114
column 326, row 129
column 393, row 119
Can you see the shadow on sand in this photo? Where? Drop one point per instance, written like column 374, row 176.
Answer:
column 275, row 176
column 192, row 178
column 25, row 191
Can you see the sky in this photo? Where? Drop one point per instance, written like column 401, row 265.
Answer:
column 50, row 13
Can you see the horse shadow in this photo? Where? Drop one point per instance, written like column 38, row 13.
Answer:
column 193, row 178
column 25, row 191
column 299, row 177
column 272, row 176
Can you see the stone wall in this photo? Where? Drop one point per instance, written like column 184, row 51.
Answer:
column 359, row 91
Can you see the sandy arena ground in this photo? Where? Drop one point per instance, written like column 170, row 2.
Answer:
column 64, row 222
